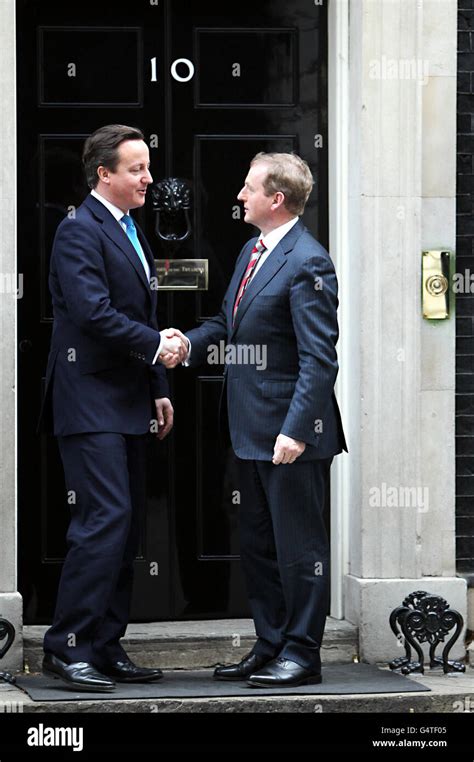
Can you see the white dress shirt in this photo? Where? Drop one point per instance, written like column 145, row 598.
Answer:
column 271, row 241
column 118, row 214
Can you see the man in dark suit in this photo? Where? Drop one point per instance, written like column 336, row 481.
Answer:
column 279, row 321
column 104, row 385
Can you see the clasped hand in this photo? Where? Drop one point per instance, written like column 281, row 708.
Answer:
column 174, row 347
column 287, row 450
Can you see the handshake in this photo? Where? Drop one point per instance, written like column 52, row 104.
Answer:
column 174, row 347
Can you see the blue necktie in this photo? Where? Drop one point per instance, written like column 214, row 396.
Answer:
column 132, row 234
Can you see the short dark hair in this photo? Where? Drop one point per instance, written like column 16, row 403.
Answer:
column 101, row 149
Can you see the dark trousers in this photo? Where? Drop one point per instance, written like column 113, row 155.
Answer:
column 285, row 556
column 105, row 477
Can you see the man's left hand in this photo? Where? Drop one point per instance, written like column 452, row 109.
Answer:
column 164, row 415
column 286, row 450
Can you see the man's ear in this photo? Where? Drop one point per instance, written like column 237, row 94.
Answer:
column 103, row 174
column 279, row 200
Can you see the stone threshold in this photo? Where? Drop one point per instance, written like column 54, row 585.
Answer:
column 199, row 644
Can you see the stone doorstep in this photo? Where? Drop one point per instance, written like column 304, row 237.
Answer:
column 198, row 645
column 449, row 694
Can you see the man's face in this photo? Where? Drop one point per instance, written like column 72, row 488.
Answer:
column 257, row 205
column 126, row 187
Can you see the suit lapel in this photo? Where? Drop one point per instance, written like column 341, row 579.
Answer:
column 272, row 265
column 117, row 234
column 152, row 286
column 274, row 262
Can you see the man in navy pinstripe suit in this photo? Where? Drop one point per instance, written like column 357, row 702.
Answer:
column 284, row 420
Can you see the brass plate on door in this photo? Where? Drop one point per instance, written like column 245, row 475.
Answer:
column 182, row 274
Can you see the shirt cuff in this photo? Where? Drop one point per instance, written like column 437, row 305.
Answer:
column 186, row 362
column 157, row 353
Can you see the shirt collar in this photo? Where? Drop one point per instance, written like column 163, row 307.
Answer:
column 273, row 238
column 114, row 210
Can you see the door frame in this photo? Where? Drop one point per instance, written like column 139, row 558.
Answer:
column 342, row 475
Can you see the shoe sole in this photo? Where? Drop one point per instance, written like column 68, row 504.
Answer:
column 137, row 680
column 307, row 681
column 229, row 679
column 75, row 686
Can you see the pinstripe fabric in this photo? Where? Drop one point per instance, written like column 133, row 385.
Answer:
column 285, row 556
column 290, row 309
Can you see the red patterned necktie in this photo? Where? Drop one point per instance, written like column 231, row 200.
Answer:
column 257, row 252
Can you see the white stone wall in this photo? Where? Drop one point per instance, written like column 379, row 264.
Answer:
column 10, row 600
column 402, row 160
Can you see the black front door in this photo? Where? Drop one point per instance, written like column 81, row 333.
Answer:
column 210, row 84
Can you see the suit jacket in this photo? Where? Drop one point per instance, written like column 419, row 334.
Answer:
column 289, row 308
column 100, row 375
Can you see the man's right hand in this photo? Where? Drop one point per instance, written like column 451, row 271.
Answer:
column 174, row 347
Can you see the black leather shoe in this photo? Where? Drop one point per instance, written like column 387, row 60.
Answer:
column 242, row 670
column 284, row 673
column 128, row 672
column 79, row 676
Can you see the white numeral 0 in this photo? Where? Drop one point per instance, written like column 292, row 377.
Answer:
column 174, row 72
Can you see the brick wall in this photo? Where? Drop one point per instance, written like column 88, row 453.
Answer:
column 465, row 301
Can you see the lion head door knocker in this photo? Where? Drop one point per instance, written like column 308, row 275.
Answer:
column 172, row 204
column 176, row 272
